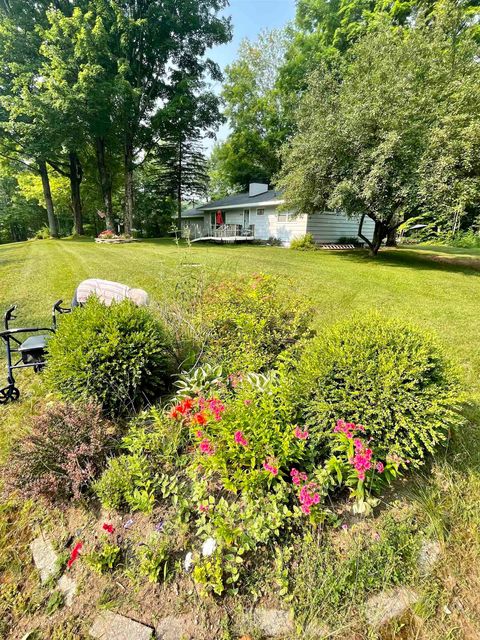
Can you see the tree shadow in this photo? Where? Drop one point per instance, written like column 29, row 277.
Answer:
column 405, row 258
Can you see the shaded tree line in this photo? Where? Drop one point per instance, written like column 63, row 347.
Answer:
column 94, row 91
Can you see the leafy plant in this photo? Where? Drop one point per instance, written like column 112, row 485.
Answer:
column 153, row 559
column 104, row 558
column 382, row 373
column 65, row 450
column 251, row 322
column 118, row 355
column 304, row 243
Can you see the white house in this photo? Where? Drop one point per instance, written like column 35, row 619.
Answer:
column 256, row 215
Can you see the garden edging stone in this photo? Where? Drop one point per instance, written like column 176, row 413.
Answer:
column 44, row 557
column 112, row 626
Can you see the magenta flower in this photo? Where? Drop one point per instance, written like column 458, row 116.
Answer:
column 298, row 476
column 206, row 447
column 268, row 466
column 240, row 439
column 301, row 435
column 308, row 497
column 380, row 467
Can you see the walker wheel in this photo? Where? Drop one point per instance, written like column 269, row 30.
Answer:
column 9, row 394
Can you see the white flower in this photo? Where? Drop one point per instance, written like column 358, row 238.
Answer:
column 208, row 547
column 187, row 563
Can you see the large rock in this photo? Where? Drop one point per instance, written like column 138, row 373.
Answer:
column 389, row 605
column 273, row 623
column 181, row 627
column 111, row 626
column 44, row 557
column 68, row 587
column 428, row 556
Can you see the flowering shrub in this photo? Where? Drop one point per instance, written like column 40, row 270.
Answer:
column 382, row 373
column 250, row 323
column 358, row 466
column 107, row 234
column 118, row 355
column 65, row 450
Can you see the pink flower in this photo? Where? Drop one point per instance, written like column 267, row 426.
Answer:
column 240, row 439
column 348, row 428
column 301, row 435
column 206, row 447
column 380, row 467
column 216, row 407
column 298, row 476
column 203, row 508
column 268, row 466
column 199, row 434
column 308, row 497
column 247, row 402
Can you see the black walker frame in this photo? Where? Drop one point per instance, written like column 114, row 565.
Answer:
column 32, row 351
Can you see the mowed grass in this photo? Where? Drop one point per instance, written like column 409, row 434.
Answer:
column 436, row 288
column 430, row 286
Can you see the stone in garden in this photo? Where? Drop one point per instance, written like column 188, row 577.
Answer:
column 44, row 557
column 389, row 605
column 317, row 630
column 112, row 626
column 428, row 556
column 273, row 623
column 176, row 628
column 68, row 587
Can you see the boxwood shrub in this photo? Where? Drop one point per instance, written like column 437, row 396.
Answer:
column 119, row 355
column 385, row 374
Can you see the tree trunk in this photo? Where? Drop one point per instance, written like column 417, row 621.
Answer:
column 379, row 234
column 392, row 237
column 128, row 218
column 105, row 182
column 76, row 175
column 47, row 194
column 179, row 190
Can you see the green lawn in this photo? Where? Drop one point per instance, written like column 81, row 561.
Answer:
column 435, row 287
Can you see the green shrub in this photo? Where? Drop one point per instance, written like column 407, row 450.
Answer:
column 118, row 355
column 304, row 243
column 66, row 448
column 251, row 322
column 384, row 374
column 42, row 234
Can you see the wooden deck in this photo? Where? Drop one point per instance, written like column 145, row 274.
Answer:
column 223, row 234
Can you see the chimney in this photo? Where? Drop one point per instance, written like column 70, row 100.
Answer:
column 256, row 188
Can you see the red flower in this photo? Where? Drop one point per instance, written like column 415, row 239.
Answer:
column 200, row 418
column 75, row 553
column 182, row 409
column 109, row 528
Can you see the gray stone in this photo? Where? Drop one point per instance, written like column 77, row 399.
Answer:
column 389, row 605
column 273, row 623
column 44, row 557
column 68, row 587
column 111, row 626
column 176, row 628
column 428, row 556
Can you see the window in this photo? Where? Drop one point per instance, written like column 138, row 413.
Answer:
column 260, row 212
column 282, row 217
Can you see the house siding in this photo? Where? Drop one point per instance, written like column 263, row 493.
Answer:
column 330, row 226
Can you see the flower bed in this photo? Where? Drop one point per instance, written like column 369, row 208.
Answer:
column 109, row 237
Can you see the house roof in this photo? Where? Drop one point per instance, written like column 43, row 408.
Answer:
column 269, row 197
column 192, row 213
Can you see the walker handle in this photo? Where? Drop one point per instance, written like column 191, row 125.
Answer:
column 9, row 316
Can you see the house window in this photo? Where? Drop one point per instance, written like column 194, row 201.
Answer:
column 260, row 212
column 282, row 217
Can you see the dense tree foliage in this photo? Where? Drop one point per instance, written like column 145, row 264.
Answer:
column 394, row 131
column 88, row 89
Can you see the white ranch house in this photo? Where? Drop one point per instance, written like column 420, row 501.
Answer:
column 256, row 215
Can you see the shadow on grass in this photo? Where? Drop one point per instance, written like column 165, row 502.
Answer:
column 411, row 259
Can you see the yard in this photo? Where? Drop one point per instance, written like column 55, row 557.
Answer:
column 435, row 287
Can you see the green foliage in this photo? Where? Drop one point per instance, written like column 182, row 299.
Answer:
column 372, row 135
column 206, row 380
column 385, row 374
column 304, row 243
column 104, row 557
column 251, row 322
column 153, row 559
column 65, row 449
column 118, row 355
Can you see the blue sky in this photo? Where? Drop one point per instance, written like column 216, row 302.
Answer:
column 249, row 17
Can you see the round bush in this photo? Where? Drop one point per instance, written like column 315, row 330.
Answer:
column 118, row 355
column 385, row 374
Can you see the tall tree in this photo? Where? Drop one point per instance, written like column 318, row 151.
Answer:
column 364, row 134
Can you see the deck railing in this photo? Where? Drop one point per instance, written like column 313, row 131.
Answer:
column 194, row 231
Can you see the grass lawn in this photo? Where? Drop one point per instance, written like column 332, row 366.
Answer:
column 430, row 286
column 435, row 287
